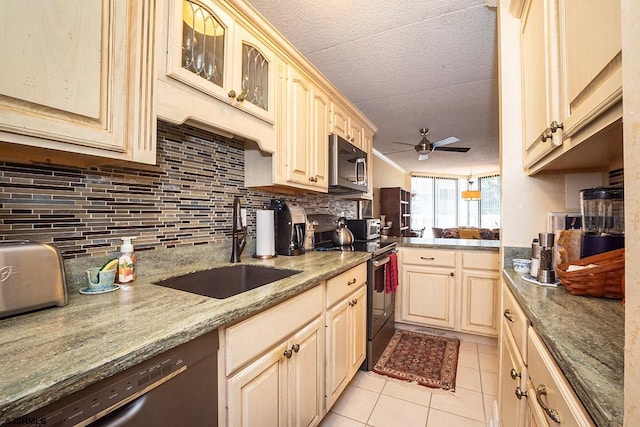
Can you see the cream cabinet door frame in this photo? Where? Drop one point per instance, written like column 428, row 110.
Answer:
column 78, row 77
column 480, row 302
column 429, row 295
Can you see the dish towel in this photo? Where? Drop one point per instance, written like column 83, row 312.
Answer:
column 391, row 273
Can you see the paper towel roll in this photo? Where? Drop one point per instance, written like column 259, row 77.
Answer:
column 265, row 233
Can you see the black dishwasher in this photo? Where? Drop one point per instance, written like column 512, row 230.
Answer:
column 176, row 388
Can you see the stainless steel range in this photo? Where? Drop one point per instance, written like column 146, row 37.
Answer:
column 380, row 303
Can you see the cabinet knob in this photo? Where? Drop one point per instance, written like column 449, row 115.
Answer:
column 541, row 390
column 507, row 315
column 232, row 94
column 520, row 394
column 554, row 126
column 452, row 274
column 514, row 374
column 295, row 348
column 288, row 353
column 313, row 179
column 546, row 135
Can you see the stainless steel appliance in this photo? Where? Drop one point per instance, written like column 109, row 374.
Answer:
column 380, row 304
column 347, row 167
column 291, row 224
column 31, row 277
column 364, row 229
column 602, row 220
column 175, row 388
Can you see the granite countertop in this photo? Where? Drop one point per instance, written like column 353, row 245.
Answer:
column 585, row 337
column 460, row 244
column 51, row 353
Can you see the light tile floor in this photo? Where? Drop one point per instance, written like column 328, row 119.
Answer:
column 378, row 401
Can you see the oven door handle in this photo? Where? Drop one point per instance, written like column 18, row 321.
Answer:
column 380, row 262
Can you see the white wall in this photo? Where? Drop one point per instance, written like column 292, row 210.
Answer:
column 386, row 175
column 525, row 200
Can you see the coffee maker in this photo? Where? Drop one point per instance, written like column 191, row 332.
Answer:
column 602, row 220
column 290, row 222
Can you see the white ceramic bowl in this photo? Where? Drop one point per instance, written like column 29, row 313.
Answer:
column 522, row 265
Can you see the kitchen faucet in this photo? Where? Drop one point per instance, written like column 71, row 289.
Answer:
column 239, row 233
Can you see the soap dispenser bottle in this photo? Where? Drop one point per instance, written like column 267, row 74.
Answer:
column 126, row 262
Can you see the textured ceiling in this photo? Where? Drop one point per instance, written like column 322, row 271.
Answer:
column 407, row 64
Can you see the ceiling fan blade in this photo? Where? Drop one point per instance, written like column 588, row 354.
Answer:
column 403, row 143
column 396, row 152
column 449, row 140
column 423, row 156
column 455, row 149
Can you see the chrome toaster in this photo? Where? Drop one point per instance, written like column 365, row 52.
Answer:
column 31, row 277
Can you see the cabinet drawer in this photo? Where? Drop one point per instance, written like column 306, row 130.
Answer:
column 429, row 257
column 345, row 283
column 481, row 260
column 516, row 321
column 246, row 340
column 549, row 388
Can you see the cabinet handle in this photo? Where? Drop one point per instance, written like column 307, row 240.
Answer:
column 546, row 135
column 295, row 347
column 541, row 390
column 554, row 126
column 288, row 353
column 313, row 179
column 428, row 258
column 452, row 274
column 241, row 97
column 352, row 282
column 520, row 394
column 507, row 315
column 514, row 374
column 355, row 302
column 232, row 94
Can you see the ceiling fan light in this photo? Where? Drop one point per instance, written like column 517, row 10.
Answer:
column 470, row 195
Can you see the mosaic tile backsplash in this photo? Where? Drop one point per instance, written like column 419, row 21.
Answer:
column 185, row 199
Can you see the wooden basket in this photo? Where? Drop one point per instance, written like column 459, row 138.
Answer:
column 605, row 280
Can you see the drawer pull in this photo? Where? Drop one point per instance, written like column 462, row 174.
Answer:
column 520, row 394
column 541, row 390
column 295, row 348
column 514, row 374
column 507, row 315
column 428, row 258
column 352, row 282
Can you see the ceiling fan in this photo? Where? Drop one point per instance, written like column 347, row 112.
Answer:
column 426, row 147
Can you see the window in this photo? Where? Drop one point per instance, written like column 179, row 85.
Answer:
column 437, row 202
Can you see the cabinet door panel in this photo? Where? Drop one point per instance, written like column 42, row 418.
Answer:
column 256, row 393
column 64, row 76
column 339, row 121
column 480, row 302
column 512, row 409
column 358, row 329
column 338, row 360
column 298, row 128
column 320, row 120
column 428, row 296
column 305, row 376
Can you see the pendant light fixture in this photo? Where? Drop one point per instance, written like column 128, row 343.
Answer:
column 470, row 195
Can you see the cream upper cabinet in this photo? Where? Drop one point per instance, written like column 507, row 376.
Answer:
column 346, row 125
column 540, row 80
column 450, row 289
column 301, row 158
column 571, row 61
column 591, row 54
column 78, row 78
column 210, row 52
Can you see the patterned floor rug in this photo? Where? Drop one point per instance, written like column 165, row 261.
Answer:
column 428, row 360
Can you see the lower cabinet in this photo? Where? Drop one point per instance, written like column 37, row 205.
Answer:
column 282, row 387
column 450, row 289
column 513, row 380
column 287, row 365
column 552, row 401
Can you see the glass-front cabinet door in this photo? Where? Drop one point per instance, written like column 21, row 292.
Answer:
column 212, row 53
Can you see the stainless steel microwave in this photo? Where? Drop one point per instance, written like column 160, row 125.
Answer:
column 347, row 167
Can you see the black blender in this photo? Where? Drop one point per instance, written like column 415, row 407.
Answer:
column 602, row 220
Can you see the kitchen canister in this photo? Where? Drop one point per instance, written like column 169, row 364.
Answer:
column 265, row 234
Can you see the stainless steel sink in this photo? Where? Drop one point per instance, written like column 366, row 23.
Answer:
column 225, row 282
